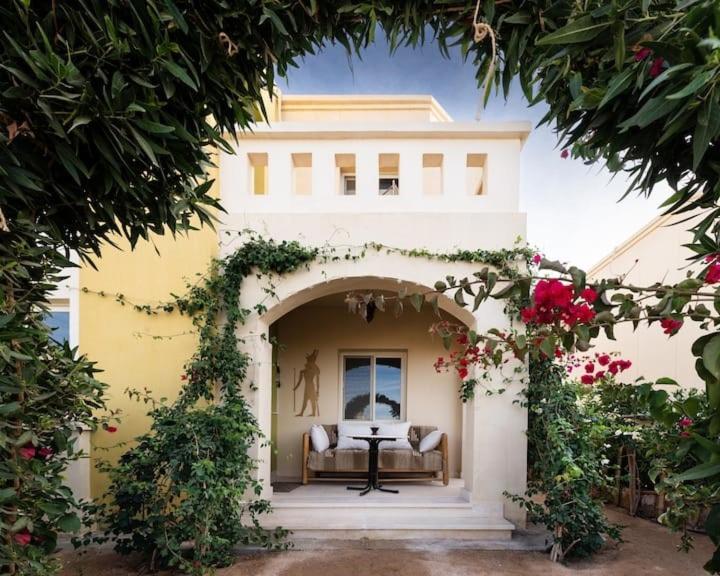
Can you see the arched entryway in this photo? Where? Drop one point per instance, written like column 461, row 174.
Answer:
column 491, row 452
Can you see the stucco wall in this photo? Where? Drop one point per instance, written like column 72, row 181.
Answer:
column 655, row 254
column 431, row 397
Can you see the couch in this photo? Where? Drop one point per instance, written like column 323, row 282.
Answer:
column 393, row 464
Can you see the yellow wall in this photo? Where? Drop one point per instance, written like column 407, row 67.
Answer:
column 120, row 339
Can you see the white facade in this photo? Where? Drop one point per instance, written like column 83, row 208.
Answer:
column 452, row 185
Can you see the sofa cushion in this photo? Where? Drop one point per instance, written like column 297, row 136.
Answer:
column 334, row 460
column 346, row 431
column 319, row 438
column 431, row 441
column 400, row 430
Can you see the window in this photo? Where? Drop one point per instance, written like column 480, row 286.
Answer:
column 58, row 320
column 373, row 385
column 345, row 169
column 258, row 165
column 475, row 167
column 302, row 174
column 432, row 174
column 389, row 171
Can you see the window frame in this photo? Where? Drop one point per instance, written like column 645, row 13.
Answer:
column 373, row 353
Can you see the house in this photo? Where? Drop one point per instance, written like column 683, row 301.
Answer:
column 337, row 171
column 655, row 253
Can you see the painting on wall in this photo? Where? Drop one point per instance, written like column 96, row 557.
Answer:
column 310, row 378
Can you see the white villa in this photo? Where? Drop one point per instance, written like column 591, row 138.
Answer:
column 345, row 171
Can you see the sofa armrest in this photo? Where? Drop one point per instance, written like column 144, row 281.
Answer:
column 306, row 455
column 444, row 450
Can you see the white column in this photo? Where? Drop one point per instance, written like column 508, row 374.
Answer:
column 234, row 180
column 366, row 167
column 454, row 174
column 251, row 340
column 495, row 426
column 279, row 175
column 411, row 172
column 324, row 177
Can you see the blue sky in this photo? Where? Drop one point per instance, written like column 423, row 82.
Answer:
column 572, row 209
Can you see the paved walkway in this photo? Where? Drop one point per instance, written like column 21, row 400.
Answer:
column 649, row 549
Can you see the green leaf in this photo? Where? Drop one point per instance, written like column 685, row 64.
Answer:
column 417, row 301
column 666, row 382
column 706, row 130
column 652, row 110
column 711, row 356
column 9, row 408
column 180, row 73
column 698, row 82
column 267, row 13
column 617, row 85
column 554, row 265
column 68, row 523
column 699, row 472
column 619, row 43
column 580, row 30
column 154, row 127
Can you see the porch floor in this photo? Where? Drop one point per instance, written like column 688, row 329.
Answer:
column 422, row 510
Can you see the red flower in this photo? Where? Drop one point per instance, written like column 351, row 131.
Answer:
column 587, row 379
column 589, row 367
column 589, row 295
column 685, row 422
column 599, row 375
column 670, row 325
column 45, row 452
column 656, row 67
column 111, row 429
column 604, row 359
column 23, row 538
column 27, row 452
column 462, row 372
column 684, row 434
column 564, row 154
column 537, row 258
column 183, row 377
column 712, row 276
column 528, row 315
column 642, row 54
column 559, row 352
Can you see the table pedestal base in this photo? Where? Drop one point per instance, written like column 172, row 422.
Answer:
column 373, row 482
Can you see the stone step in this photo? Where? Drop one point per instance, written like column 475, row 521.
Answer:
column 389, row 522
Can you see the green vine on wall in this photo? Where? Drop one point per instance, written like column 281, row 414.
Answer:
column 187, row 493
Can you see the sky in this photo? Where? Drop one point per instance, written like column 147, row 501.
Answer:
column 572, row 209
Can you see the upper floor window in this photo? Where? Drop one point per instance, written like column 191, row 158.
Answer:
column 432, row 174
column 389, row 171
column 258, row 168
column 476, row 174
column 58, row 320
column 345, row 174
column 302, row 174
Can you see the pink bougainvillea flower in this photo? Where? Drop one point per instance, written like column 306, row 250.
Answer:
column 528, row 315
column 657, row 67
column 685, row 422
column 45, row 452
column 604, row 359
column 27, row 452
column 111, row 429
column 587, row 379
column 670, row 326
column 564, row 154
column 537, row 258
column 599, row 375
column 589, row 367
column 22, row 538
column 462, row 372
column 642, row 54
column 712, row 276
column 559, row 352
column 589, row 295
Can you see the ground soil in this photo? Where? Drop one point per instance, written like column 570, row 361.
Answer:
column 649, row 549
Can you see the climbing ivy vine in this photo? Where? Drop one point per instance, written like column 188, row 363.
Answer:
column 187, row 493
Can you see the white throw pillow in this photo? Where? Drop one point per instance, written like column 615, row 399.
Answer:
column 400, row 430
column 319, row 438
column 431, row 441
column 346, row 431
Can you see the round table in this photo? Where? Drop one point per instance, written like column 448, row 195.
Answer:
column 373, row 482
